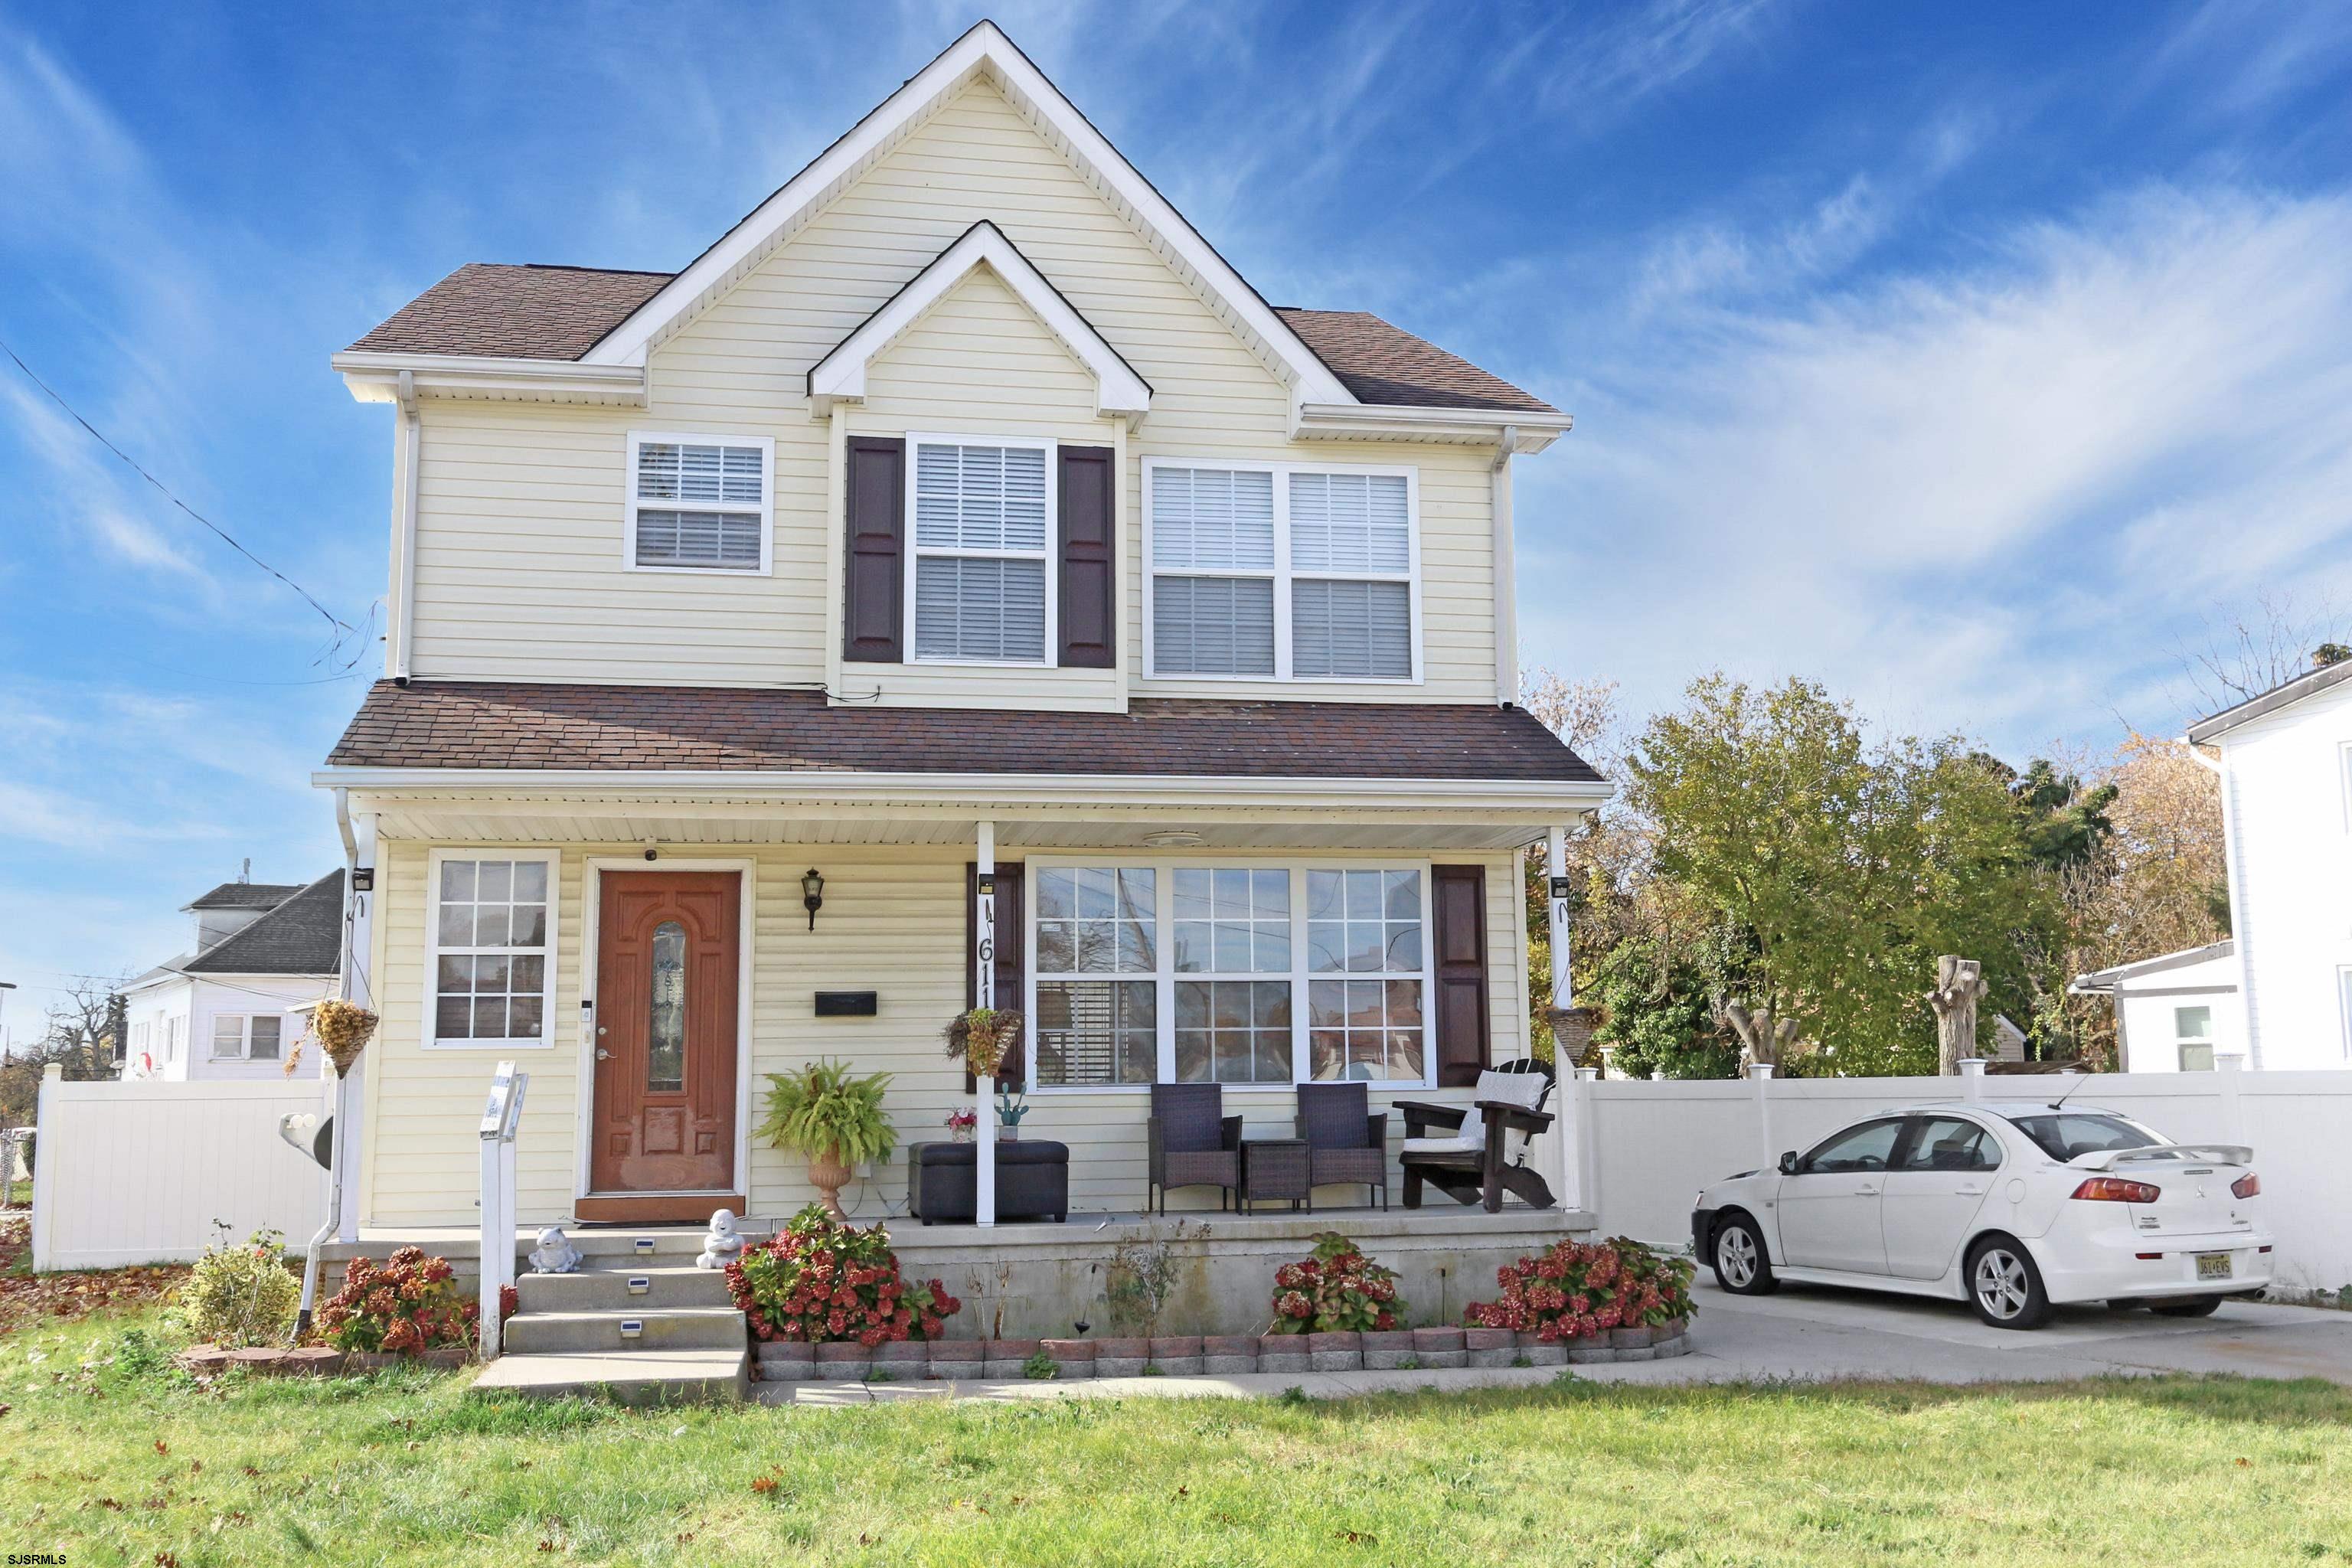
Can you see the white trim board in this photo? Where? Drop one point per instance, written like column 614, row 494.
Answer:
column 982, row 52
column 1119, row 392
column 592, row 904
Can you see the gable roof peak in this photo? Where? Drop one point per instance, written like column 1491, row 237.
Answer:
column 840, row 376
column 982, row 51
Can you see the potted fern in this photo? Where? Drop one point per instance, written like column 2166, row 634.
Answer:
column 833, row 1118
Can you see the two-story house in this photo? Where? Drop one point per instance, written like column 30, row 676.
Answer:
column 957, row 559
column 225, row 1007
column 2285, row 765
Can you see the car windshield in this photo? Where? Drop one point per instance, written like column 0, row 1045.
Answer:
column 2066, row 1134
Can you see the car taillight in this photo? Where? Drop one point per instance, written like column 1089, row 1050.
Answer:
column 2247, row 1186
column 2115, row 1190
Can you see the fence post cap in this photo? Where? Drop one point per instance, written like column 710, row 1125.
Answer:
column 1760, row 1070
column 2233, row 1061
column 1972, row 1066
column 53, row 1073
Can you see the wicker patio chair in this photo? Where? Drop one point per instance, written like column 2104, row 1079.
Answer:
column 1346, row 1143
column 1192, row 1143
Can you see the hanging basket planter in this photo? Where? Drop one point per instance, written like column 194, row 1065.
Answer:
column 343, row 1029
column 1572, row 1033
column 984, row 1038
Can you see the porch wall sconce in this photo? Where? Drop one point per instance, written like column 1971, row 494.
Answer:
column 813, row 895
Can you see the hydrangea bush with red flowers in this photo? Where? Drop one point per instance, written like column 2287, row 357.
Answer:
column 405, row 1306
column 819, row 1278
column 1580, row 1288
column 1335, row 1288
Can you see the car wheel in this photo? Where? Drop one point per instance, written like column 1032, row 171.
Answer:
column 2202, row 1307
column 1738, row 1258
column 2004, row 1286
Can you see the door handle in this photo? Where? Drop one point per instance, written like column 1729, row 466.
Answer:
column 1970, row 1192
column 602, row 1055
column 1865, row 1192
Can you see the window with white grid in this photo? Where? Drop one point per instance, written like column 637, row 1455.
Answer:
column 493, row 922
column 699, row 503
column 981, row 521
column 1286, row 572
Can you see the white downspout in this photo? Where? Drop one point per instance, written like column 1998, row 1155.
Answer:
column 1506, row 602
column 338, row 1155
column 403, row 566
column 2240, row 939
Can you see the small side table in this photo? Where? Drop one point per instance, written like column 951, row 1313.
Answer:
column 1274, row 1168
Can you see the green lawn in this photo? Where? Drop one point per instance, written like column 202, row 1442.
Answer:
column 109, row 1459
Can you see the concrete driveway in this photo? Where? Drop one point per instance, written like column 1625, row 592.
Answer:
column 1810, row 1333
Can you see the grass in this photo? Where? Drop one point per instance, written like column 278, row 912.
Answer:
column 111, row 1457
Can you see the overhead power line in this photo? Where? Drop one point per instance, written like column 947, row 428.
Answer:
column 342, row 628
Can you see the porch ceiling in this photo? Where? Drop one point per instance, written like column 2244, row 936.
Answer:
column 1109, row 827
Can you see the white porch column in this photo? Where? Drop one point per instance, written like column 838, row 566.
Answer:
column 984, row 992
column 358, row 985
column 1556, row 885
column 1760, row 1083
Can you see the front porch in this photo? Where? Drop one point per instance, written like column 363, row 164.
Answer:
column 1030, row 1281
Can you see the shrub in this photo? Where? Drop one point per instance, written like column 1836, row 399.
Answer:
column 819, row 1278
column 1580, row 1288
column 407, row 1306
column 1333, row 1289
column 240, row 1294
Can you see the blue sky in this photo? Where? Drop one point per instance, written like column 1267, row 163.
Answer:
column 1970, row 359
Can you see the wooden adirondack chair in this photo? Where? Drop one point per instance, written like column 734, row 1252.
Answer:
column 1478, row 1154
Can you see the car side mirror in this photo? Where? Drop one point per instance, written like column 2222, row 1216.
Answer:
column 1788, row 1163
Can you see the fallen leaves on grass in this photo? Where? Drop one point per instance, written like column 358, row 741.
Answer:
column 27, row 1298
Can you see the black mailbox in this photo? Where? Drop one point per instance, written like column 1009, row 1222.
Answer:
column 846, row 1004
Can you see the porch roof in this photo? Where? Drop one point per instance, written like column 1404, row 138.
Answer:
column 479, row 726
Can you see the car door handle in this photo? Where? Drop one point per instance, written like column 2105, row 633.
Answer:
column 1865, row 1192
column 1970, row 1192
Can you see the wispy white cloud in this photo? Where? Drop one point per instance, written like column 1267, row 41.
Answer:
column 1974, row 493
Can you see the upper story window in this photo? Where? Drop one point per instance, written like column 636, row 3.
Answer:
column 699, row 503
column 1286, row 572
column 983, row 521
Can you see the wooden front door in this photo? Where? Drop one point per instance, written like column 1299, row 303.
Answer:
column 667, row 969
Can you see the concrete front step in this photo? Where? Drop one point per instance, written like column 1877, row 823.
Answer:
column 604, row 1286
column 632, row 1377
column 605, row 1248
column 665, row 1328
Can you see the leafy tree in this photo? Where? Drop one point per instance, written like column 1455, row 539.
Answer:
column 1844, row 866
column 1654, row 999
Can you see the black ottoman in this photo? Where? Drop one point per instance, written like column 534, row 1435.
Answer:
column 1033, row 1181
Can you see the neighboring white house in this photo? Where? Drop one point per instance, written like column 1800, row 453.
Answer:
column 2173, row 1013
column 220, row 1010
column 958, row 558
column 2286, row 813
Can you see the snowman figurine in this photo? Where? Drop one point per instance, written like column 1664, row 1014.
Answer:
column 723, row 1245
column 554, row 1253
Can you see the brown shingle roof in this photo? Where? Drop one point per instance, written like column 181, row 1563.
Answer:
column 485, row 724
column 515, row 312
column 1384, row 364
column 560, row 313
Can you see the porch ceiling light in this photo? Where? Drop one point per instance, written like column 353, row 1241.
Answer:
column 1172, row 838
column 813, row 895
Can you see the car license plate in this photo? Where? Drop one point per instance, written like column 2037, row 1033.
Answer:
column 2212, row 1265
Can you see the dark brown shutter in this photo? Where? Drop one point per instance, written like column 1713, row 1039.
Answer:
column 874, row 576
column 1011, row 962
column 1089, row 564
column 1458, row 971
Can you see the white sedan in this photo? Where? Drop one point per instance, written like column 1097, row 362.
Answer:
column 2012, row 1207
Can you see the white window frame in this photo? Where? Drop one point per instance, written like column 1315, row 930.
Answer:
column 765, row 509
column 2180, row 1041
column 428, row 1028
column 916, row 552
column 1165, row 976
column 244, row 1052
column 1282, row 574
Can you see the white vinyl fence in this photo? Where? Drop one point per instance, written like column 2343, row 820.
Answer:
column 138, row 1173
column 1653, row 1144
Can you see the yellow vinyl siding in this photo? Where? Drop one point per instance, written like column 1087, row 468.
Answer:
column 893, row 923
column 519, row 524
